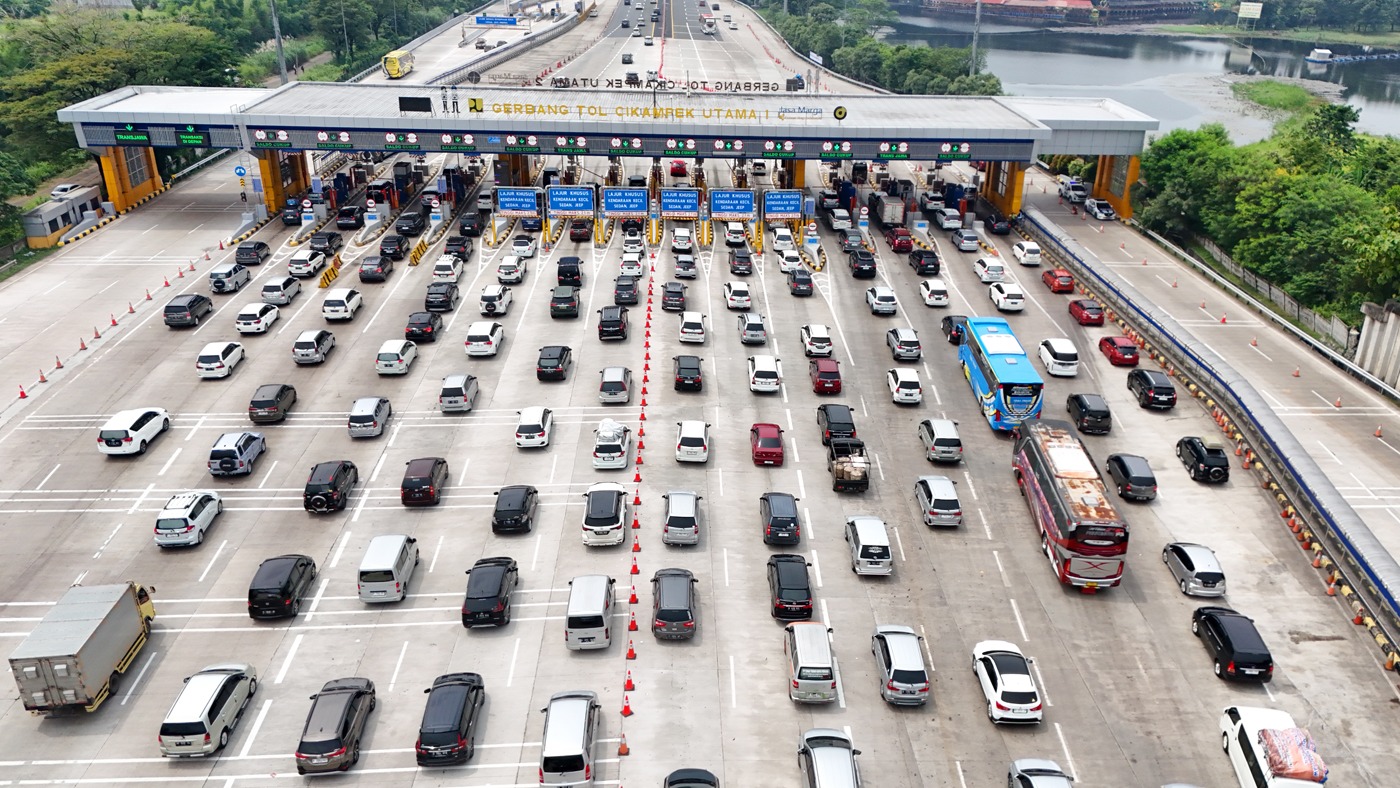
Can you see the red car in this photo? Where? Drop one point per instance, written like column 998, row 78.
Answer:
column 1087, row 312
column 1058, row 280
column 826, row 375
column 1121, row 351
column 766, row 441
column 899, row 239
column 678, row 168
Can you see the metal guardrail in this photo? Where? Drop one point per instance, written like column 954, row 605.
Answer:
column 431, row 34
column 455, row 76
column 1294, row 475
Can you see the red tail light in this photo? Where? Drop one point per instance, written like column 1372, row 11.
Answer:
column 418, row 746
column 1230, row 668
column 794, row 683
column 691, row 625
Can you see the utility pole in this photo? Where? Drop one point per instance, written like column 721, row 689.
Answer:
column 976, row 27
column 345, row 28
column 277, row 38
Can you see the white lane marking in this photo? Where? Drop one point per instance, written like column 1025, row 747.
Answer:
column 394, row 678
column 287, row 661
column 392, row 437
column 76, row 581
column 340, row 549
column 535, row 557
column 807, row 518
column 49, row 476
column 514, row 655
column 986, row 524
column 374, row 475
column 257, row 725
column 131, row 691
column 726, row 569
column 719, row 481
column 437, row 551
column 553, row 467
column 267, row 475
column 106, row 542
column 1256, row 349
column 795, row 458
column 462, row 477
column 1005, row 581
column 195, row 428
column 879, row 467
column 733, row 686
column 169, row 462
column 141, row 498
column 967, row 476
column 1021, row 625
column 961, row 780
column 898, row 540
column 928, row 655
column 212, row 559
column 316, row 600
column 1040, row 682
column 1330, row 452
column 1069, row 759
column 817, row 570
column 788, row 411
column 863, row 411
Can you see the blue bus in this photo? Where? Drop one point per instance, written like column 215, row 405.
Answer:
column 999, row 372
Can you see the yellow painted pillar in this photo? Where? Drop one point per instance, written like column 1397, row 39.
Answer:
column 114, row 176
column 301, row 172
column 1004, row 185
column 270, row 168
column 798, row 168
column 122, row 190
column 1113, row 181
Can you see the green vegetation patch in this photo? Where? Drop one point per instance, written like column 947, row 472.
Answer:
column 1275, row 95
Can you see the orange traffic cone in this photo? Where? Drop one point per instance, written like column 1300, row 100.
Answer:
column 622, row 748
column 114, row 318
column 221, row 244
column 1338, row 403
column 626, row 706
column 1254, row 341
column 148, row 294
column 22, row 395
column 130, row 310
column 179, row 273
column 636, row 478
column 636, row 525
column 1297, row 372
column 631, row 652
column 58, row 364
column 631, row 627
column 96, row 334
column 206, row 257
column 639, row 457
column 636, row 544
column 42, row 379
column 635, row 570
column 167, row 282
column 81, row 344
column 1222, row 318
column 1173, row 283
column 633, row 600
column 1378, row 432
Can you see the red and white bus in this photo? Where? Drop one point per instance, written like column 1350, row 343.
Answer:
column 1080, row 531
column 707, row 24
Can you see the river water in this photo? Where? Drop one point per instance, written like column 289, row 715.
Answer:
column 1182, row 81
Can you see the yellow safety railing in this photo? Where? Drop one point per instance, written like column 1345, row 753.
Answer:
column 419, row 249
column 332, row 271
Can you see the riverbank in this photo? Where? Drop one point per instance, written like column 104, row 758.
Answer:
column 1385, row 40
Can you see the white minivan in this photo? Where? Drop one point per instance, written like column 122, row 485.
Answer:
column 395, row 357
column 1060, row 357
column 387, row 567
column 811, row 665
column 1240, row 727
column 588, row 619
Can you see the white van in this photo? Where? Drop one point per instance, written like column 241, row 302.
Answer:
column 395, row 357
column 387, row 567
column 988, row 270
column 1060, row 357
column 209, row 706
column 1240, row 726
column 948, row 218
column 570, row 730
column 588, row 621
column 811, row 665
column 869, row 543
column 130, row 431
column 484, row 201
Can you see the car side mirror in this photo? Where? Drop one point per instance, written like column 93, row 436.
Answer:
column 426, row 691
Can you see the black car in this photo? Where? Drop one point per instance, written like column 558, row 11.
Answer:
column 279, row 585
column 625, row 290
column 470, row 225
column 328, row 487
column 351, row 217
column 1090, row 413
column 570, row 272
column 925, row 262
column 1153, row 389
column 630, row 225
column 423, row 326
column 673, row 297
column 1231, row 639
column 395, row 246
column 992, row 218
column 335, row 726
column 410, row 223
column 447, row 734
column 777, row 514
column 862, row 264
column 252, row 253
column 580, row 230
column 1133, row 476
column 800, row 282
column 740, row 261
column 554, row 362
column 291, row 214
column 563, row 302
column 688, row 377
column 515, row 508
column 954, row 326
column 612, row 322
column 1205, row 461
column 326, row 243
column 490, row 583
column 458, row 245
column 442, row 297
column 789, row 587
column 691, row 778
column 836, row 421
column 186, row 310
column 376, row 268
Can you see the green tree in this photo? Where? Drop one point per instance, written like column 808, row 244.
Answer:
column 344, row 24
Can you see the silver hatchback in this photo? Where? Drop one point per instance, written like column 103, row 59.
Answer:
column 1196, row 569
column 681, row 524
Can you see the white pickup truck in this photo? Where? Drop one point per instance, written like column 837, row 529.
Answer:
column 1072, row 189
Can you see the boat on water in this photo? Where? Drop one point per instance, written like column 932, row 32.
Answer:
column 1319, row 56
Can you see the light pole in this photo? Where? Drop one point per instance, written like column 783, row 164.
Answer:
column 277, row 37
column 976, row 27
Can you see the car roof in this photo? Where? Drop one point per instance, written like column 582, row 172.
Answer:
column 533, row 414
column 1058, row 343
column 901, row 373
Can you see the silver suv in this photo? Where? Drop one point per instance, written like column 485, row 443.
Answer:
column 234, row 452
column 186, row 517
column 904, row 344
column 903, row 677
column 673, row 604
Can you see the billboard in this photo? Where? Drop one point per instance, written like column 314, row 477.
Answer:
column 680, row 203
column 727, row 204
column 517, row 202
column 624, row 203
column 570, row 201
column 786, row 204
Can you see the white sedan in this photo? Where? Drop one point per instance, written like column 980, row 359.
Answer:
column 511, row 270
column 523, row 246
column 632, row 242
column 256, row 318
column 736, row 295
column 1004, row 674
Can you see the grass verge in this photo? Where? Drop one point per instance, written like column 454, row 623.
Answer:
column 24, row 259
column 1312, row 36
column 1275, row 95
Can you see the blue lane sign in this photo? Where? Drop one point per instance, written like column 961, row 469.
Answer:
column 728, row 204
column 681, row 203
column 782, row 205
column 496, row 21
column 240, row 170
column 624, row 203
column 570, row 201
column 517, row 202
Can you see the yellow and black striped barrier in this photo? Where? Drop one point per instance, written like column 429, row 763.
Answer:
column 419, row 249
column 332, row 271
column 106, row 220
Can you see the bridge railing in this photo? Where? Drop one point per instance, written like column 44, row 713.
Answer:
column 458, row 75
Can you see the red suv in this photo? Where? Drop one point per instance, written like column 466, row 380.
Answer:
column 766, row 443
column 678, row 168
column 1121, row 351
column 899, row 239
column 1058, row 280
column 1087, row 312
column 826, row 375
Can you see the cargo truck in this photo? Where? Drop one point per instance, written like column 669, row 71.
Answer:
column 885, row 210
column 848, row 465
column 75, row 657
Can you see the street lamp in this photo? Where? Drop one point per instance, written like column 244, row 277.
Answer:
column 277, row 37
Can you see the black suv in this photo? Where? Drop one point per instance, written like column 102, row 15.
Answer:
column 394, row 246
column 490, row 583
column 862, row 264
column 625, row 290
column 442, row 297
column 328, row 487
column 1206, row 462
column 252, row 253
column 835, row 421
column 800, row 282
column 458, row 246
column 673, row 297
column 992, row 218
column 789, row 587
column 740, row 261
column 1234, row 643
column 186, row 310
column 376, row 268
column 580, row 230
column 925, row 262
column 554, row 362
column 629, row 225
column 515, row 509
column 1153, row 389
column 470, row 225
column 688, row 375
column 326, row 243
column 278, row 586
column 271, row 402
column 1133, row 476
column 447, row 734
column 570, row 272
column 410, row 223
column 563, row 302
column 612, row 322
column 777, row 513
column 423, row 480
column 330, row 742
column 423, row 327
column 351, row 217
column 1090, row 413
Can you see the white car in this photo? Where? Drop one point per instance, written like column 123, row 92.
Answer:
column 681, row 240
column 612, row 444
column 631, row 264
column 1026, row 252
column 495, row 300
column 1060, row 357
column 881, row 300
column 1007, row 296
column 789, row 260
column 485, row 338
column 782, row 239
column 988, row 270
column 605, row 514
column 764, row 374
column 816, row 340
column 1099, row 209
column 306, row 262
column 395, row 356
column 734, row 234
column 534, row 427
column 60, row 191
column 692, row 441
column 256, row 318
column 218, row 359
column 511, row 270
column 948, row 218
column 523, row 246
column 736, row 295
column 904, row 386
column 131, row 431
column 341, row 304
column 632, row 242
column 448, row 268
column 934, row 292
column 1004, row 674
column 186, row 516
column 692, row 327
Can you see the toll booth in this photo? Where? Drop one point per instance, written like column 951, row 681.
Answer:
column 383, row 192
column 46, row 225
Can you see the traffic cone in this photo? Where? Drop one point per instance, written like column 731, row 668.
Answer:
column 95, row 334
column 81, row 344
column 221, row 244
column 167, row 282
column 130, row 310
column 626, row 707
column 114, row 319
column 645, row 379
column 22, row 395
column 1222, row 318
column 631, row 652
column 1378, row 432
column 636, row 544
column 1123, row 246
column 628, row 686
column 633, row 600
column 191, row 265
column 644, row 402
column 206, row 257
column 1297, row 372
column 648, row 355
column 58, row 364
column 1338, row 403
column 636, row 524
column 42, row 379
column 648, row 334
column 642, row 430
column 631, row 627
column 148, row 294
column 1173, row 283
column 644, row 388
column 639, row 459
column 635, row 570
column 642, row 416
column 1144, row 261
column 1203, row 305
column 637, row 477
column 622, row 748
column 641, row 445
column 1254, row 341
column 647, row 345
column 179, row 273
